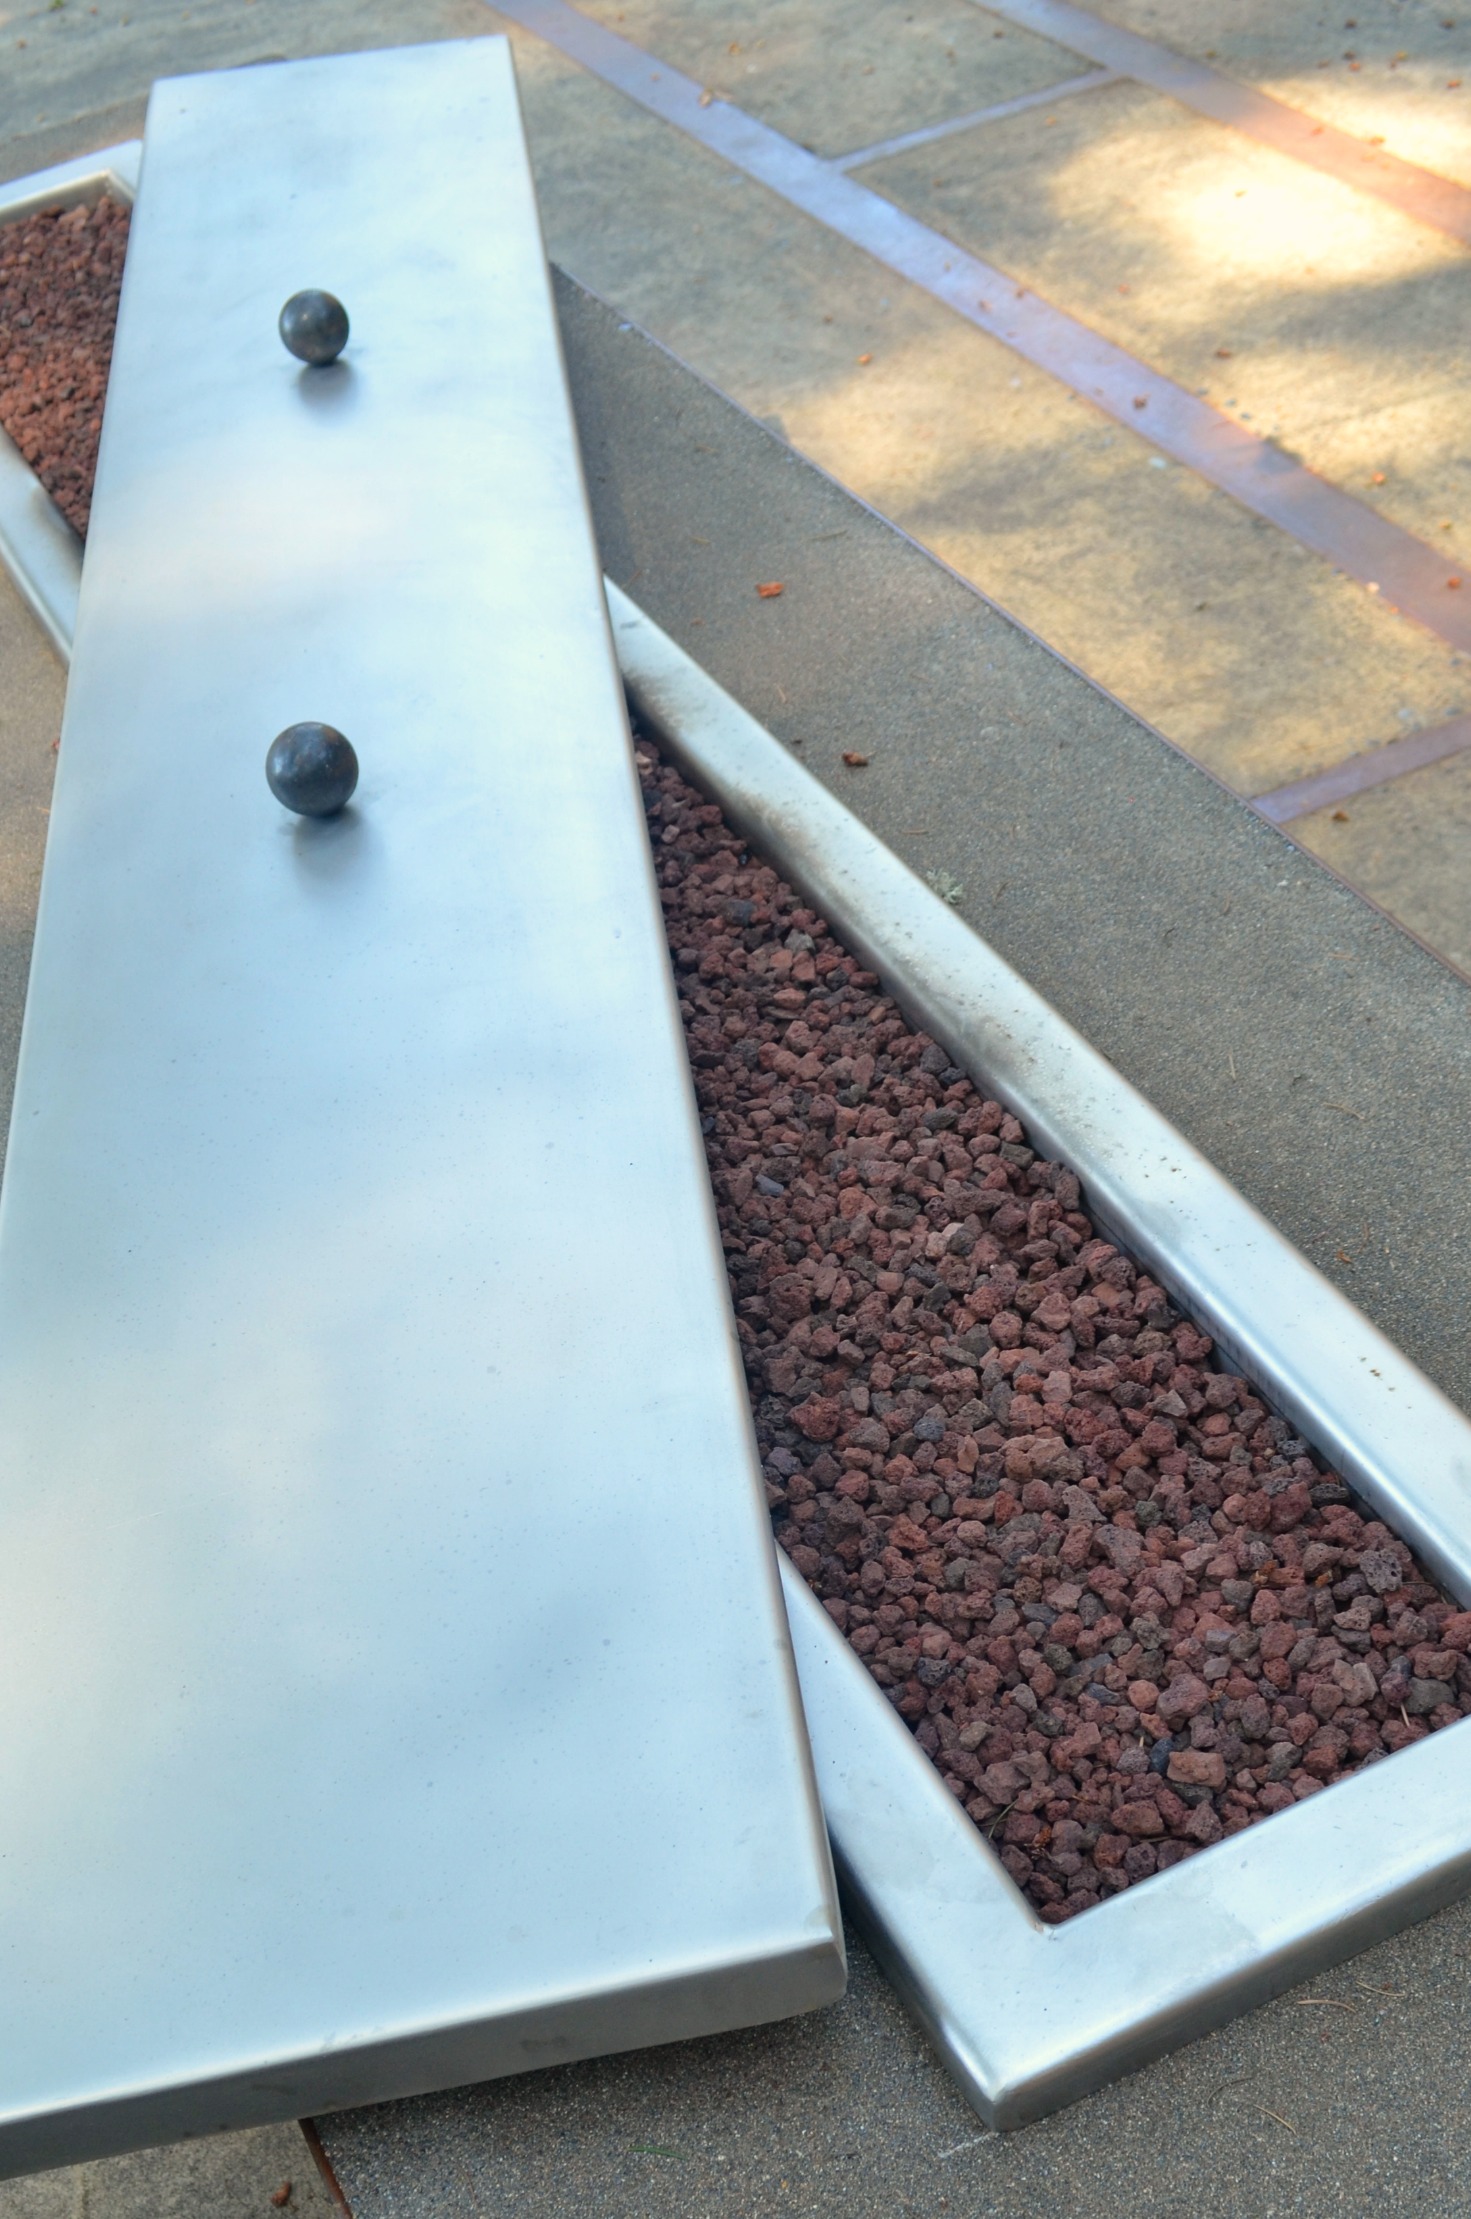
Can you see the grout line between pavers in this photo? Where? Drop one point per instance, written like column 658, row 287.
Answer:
column 931, row 132
column 1413, row 578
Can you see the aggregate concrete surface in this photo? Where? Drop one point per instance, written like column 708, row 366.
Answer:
column 1315, row 1052
column 1347, row 2098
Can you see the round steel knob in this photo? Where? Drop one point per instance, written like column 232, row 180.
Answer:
column 312, row 768
column 314, row 327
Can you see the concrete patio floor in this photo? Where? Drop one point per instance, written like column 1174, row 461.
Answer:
column 1313, row 314
column 1326, row 321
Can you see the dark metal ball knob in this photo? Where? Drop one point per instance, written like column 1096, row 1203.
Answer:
column 314, row 327
column 312, row 768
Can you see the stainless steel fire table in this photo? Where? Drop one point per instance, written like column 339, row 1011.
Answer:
column 396, row 1689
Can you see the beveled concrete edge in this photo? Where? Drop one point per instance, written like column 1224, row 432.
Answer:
column 1029, row 2017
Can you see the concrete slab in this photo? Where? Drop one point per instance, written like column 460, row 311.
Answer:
column 838, row 76
column 1392, row 72
column 1347, row 326
column 229, row 2176
column 1234, row 640
column 1407, row 845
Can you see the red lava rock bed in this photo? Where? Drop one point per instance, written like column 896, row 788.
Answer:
column 60, row 274
column 1121, row 1607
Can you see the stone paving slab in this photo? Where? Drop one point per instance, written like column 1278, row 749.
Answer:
column 1411, row 86
column 1236, row 641
column 1318, row 316
column 228, row 2176
column 1407, row 845
column 837, row 76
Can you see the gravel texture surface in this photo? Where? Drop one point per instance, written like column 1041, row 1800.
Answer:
column 60, row 275
column 1118, row 1603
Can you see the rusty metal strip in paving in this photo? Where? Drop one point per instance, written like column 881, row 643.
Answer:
column 1089, row 82
column 325, row 2166
column 1415, row 192
column 1362, row 773
column 1412, row 577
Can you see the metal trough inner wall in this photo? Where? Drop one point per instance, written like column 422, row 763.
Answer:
column 397, row 1688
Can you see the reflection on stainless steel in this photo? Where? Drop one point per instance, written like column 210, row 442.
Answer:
column 38, row 547
column 395, row 1686
column 1027, row 2016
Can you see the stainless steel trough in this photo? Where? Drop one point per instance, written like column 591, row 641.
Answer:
column 396, row 1689
column 1029, row 2017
